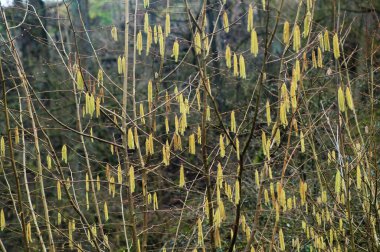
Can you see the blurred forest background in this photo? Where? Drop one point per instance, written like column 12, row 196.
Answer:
column 323, row 156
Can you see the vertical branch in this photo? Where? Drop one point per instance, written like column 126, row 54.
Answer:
column 131, row 208
column 13, row 161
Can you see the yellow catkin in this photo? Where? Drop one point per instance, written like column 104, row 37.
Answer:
column 236, row 68
column 338, row 182
column 200, row 232
column 192, row 144
column 219, row 176
column 167, row 25
column 320, row 58
column 29, row 232
column 281, row 239
column 283, row 116
column 59, row 218
column 336, row 46
column 139, row 44
column 237, row 143
column 132, row 179
column 175, row 50
column 358, row 178
column 142, row 114
column 225, row 22
column 197, row 43
column 155, row 34
column 150, row 92
column 302, row 140
column 97, row 183
column 321, row 42
column 222, row 147
column 80, row 81
column 146, row 4
column 131, row 142
column 233, row 122
column 119, row 175
column 254, row 43
column 296, row 38
column 119, row 65
column 264, row 142
column 326, row 41
column 267, row 108
column 242, row 67
column 97, row 107
column 59, row 192
column 304, row 61
column 48, row 161
column 237, row 192
column 146, row 22
column 257, row 178
column 64, row 153
column 181, row 176
column 155, row 201
column 149, row 40
column 106, row 217
column 341, row 101
column 161, row 40
column 2, row 220
column 293, row 93
column 314, row 59
column 228, row 56
column 114, row 33
column 350, row 103
column 306, row 24
column 250, row 18
column 286, row 33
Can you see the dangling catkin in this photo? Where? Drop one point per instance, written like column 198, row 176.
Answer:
column 114, row 33
column 225, row 22
column 237, row 192
column 326, row 41
column 302, row 139
column 254, row 43
column 233, row 122
column 267, row 108
column 146, row 4
column 250, row 18
column 336, row 46
column 64, row 153
column 167, row 25
column 320, row 58
column 146, row 22
column 192, row 144
column 296, row 38
column 131, row 179
column 242, row 67
column 197, row 43
column 306, row 24
column 106, row 211
column 222, row 147
column 285, row 34
column 175, row 50
column 228, row 56
column 161, row 40
column 131, row 142
column 2, row 220
column 80, row 81
column 341, row 103
column 350, row 103
column 181, row 177
column 236, row 69
column 139, row 43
